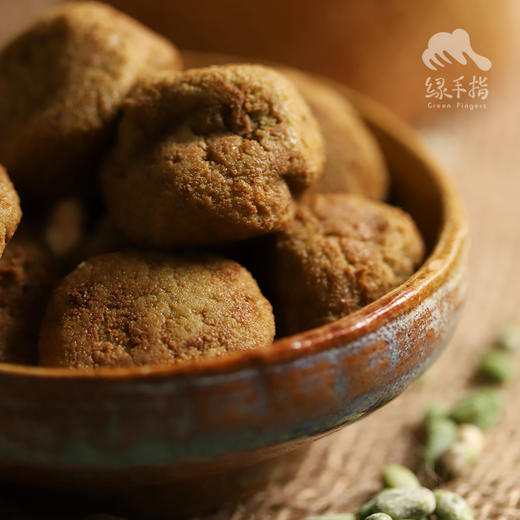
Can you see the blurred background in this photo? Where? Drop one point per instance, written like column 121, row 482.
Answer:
column 375, row 46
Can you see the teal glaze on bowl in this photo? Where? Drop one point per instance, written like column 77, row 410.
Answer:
column 147, row 426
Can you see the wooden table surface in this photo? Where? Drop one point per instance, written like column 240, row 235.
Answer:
column 482, row 151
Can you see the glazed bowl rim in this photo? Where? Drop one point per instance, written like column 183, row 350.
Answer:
column 431, row 273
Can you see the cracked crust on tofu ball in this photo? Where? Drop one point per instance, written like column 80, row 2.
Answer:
column 340, row 253
column 130, row 309
column 62, row 82
column 211, row 155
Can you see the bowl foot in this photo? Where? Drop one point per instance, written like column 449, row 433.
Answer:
column 179, row 499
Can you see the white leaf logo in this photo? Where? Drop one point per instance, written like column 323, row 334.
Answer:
column 445, row 45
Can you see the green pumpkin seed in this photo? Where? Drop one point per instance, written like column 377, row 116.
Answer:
column 440, row 432
column 405, row 502
column 450, row 506
column 497, row 366
column 458, row 460
column 366, row 509
column 436, row 410
column 483, row 408
column 379, row 516
column 397, row 476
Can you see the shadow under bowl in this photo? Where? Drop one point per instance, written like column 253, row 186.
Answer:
column 207, row 431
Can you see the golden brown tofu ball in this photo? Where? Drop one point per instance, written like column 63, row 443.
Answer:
column 211, row 155
column 353, row 163
column 27, row 275
column 61, row 85
column 129, row 309
column 340, row 253
column 10, row 211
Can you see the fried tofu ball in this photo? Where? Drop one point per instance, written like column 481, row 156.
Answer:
column 354, row 163
column 130, row 309
column 10, row 211
column 27, row 276
column 61, row 86
column 211, row 155
column 340, row 253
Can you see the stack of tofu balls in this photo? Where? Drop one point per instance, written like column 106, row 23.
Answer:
column 151, row 194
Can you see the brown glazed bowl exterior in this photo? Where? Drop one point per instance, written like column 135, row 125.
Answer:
column 205, row 426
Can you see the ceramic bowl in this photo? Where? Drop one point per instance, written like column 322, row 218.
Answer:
column 208, row 430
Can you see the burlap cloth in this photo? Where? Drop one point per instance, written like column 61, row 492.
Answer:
column 482, row 151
